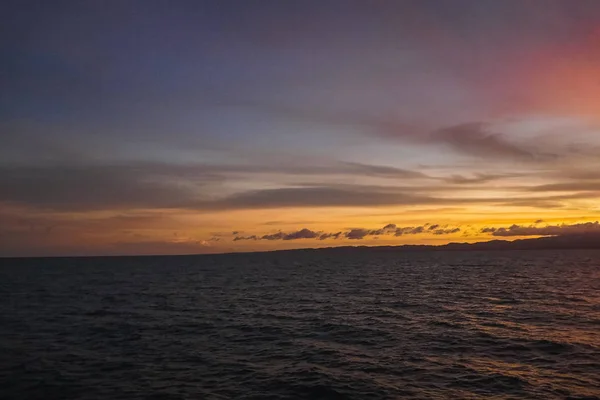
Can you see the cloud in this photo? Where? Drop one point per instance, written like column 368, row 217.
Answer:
column 325, row 236
column 477, row 140
column 585, row 185
column 409, row 230
column 389, row 228
column 142, row 186
column 352, row 234
column 477, row 178
column 340, row 195
column 321, row 167
column 94, row 187
column 252, row 237
column 549, row 201
column 549, row 230
column 446, row 231
column 78, row 187
column 473, row 139
column 301, row 234
column 361, row 233
column 319, row 196
column 274, row 236
column 199, row 187
column 383, row 171
column 357, row 233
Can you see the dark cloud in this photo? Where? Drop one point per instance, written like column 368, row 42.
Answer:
column 158, row 185
column 477, row 140
column 383, row 171
column 446, row 231
column 579, row 174
column 477, row 178
column 409, row 230
column 549, row 230
column 252, row 237
column 361, row 233
column 319, row 196
column 197, row 187
column 325, row 236
column 273, row 236
column 535, row 203
column 357, row 233
column 575, row 186
column 297, row 167
column 389, row 228
column 301, row 234
column 548, row 201
column 352, row 234
column 336, row 195
column 95, row 187
column 473, row 139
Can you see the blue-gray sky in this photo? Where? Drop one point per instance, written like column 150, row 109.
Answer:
column 146, row 126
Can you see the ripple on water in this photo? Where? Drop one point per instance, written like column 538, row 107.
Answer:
column 303, row 325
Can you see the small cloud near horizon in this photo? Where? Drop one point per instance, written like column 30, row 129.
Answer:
column 354, row 233
column 548, row 230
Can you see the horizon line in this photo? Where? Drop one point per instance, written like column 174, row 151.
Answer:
column 464, row 246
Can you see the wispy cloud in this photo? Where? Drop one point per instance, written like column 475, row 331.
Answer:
column 445, row 231
column 251, row 237
column 575, row 186
column 477, row 178
column 319, row 196
column 549, row 230
column 410, row 230
column 325, row 236
column 210, row 188
column 161, row 185
column 477, row 139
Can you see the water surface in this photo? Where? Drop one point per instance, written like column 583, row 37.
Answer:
column 303, row 325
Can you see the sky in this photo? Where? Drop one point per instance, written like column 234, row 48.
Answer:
column 178, row 127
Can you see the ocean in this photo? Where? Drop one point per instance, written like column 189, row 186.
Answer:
column 335, row 324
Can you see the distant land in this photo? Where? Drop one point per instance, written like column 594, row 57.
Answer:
column 563, row 242
column 580, row 241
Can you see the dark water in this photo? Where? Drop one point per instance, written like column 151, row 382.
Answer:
column 361, row 325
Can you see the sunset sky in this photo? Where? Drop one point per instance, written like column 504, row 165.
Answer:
column 177, row 127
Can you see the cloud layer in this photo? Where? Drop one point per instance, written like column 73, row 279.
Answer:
column 354, row 233
column 548, row 230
